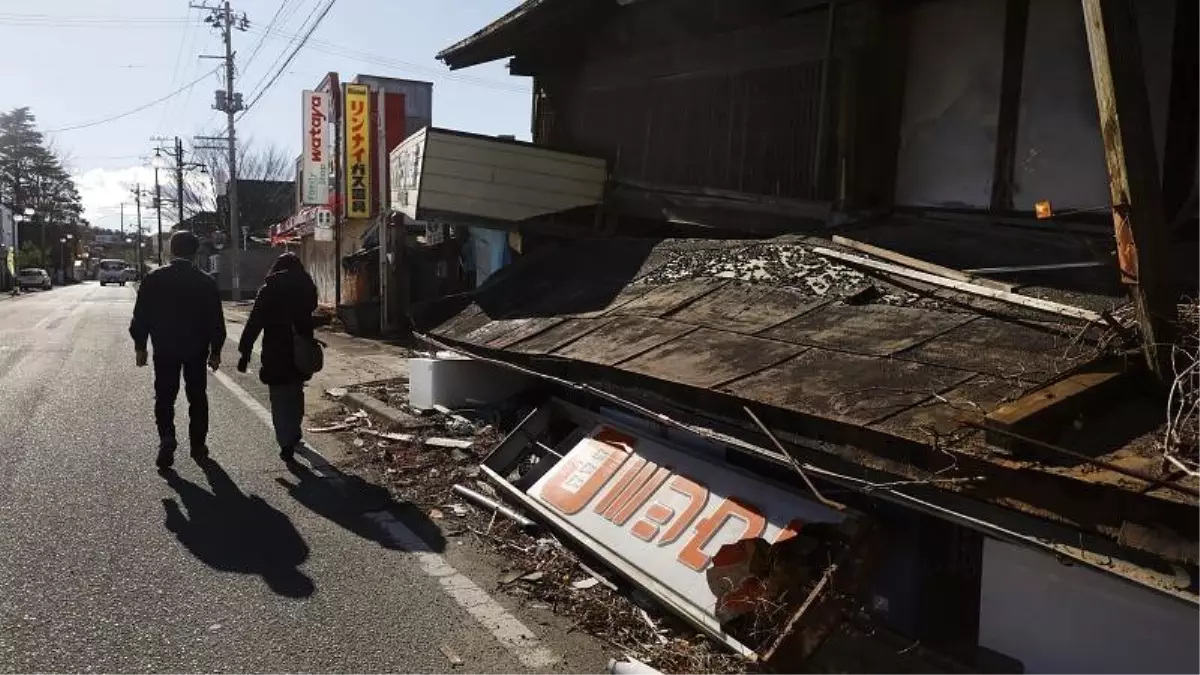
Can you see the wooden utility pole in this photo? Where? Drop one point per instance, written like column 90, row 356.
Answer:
column 1125, row 126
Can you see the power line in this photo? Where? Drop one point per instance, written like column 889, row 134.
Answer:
column 138, row 109
column 187, row 29
column 380, row 60
column 292, row 39
column 291, row 56
column 50, row 22
column 261, row 40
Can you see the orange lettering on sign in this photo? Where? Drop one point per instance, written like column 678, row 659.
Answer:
column 656, row 516
column 630, row 490
column 733, row 508
column 648, row 488
column 628, row 471
column 698, row 499
column 563, row 490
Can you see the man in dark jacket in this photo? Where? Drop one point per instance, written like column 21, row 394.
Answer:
column 282, row 310
column 179, row 310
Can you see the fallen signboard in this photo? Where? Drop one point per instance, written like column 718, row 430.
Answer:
column 658, row 514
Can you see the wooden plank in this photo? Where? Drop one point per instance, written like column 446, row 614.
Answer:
column 916, row 263
column 974, row 289
column 1125, row 124
column 1049, row 408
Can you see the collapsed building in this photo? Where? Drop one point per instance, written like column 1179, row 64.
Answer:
column 816, row 261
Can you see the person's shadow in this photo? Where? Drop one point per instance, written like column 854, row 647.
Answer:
column 363, row 508
column 234, row 532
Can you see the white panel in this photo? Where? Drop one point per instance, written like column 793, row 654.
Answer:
column 546, row 202
column 500, row 175
column 951, row 104
column 1060, row 154
column 516, row 157
column 436, row 170
column 1071, row 619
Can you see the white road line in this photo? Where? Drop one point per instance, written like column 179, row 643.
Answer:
column 506, row 628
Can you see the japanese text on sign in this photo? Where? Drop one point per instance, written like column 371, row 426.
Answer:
column 358, row 151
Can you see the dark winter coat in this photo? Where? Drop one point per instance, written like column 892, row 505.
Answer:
column 178, row 309
column 283, row 308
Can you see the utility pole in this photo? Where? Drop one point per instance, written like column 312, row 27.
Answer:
column 122, row 222
column 179, row 182
column 158, row 205
column 176, row 153
column 137, row 245
column 229, row 102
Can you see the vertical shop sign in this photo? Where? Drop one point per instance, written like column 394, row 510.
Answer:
column 317, row 159
column 358, row 151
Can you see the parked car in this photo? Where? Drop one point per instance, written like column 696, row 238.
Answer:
column 33, row 277
column 131, row 274
column 112, row 272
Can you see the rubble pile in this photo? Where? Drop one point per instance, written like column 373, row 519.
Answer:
column 790, row 265
column 547, row 574
column 759, row 586
column 422, row 458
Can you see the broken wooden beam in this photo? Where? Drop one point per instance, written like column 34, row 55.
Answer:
column 918, row 264
column 1138, row 219
column 966, row 287
column 1049, row 409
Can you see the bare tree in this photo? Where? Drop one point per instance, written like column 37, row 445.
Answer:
column 200, row 188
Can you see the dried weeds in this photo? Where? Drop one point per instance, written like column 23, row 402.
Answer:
column 1181, row 437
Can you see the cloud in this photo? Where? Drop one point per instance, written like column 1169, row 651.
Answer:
column 104, row 190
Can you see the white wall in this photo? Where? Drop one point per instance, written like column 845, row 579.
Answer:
column 1059, row 154
column 951, row 104
column 1071, row 619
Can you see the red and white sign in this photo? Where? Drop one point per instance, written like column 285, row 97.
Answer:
column 666, row 512
column 317, row 163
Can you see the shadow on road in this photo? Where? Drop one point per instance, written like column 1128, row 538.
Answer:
column 365, row 509
column 234, row 532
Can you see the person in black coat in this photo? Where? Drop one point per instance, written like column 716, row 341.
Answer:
column 282, row 310
column 178, row 309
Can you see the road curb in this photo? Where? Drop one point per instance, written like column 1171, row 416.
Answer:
column 375, row 407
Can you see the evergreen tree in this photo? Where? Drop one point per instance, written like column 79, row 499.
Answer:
column 33, row 176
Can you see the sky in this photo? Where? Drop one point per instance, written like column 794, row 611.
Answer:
column 79, row 61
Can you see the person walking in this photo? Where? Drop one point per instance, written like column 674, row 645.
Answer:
column 178, row 310
column 282, row 311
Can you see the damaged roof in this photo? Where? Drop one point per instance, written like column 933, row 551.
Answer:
column 891, row 370
column 529, row 21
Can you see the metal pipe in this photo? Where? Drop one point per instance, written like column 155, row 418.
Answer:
column 489, row 503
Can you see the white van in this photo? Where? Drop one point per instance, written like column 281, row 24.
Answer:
column 111, row 272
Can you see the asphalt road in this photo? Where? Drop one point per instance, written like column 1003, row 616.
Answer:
column 238, row 566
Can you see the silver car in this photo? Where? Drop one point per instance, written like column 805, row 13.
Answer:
column 33, row 277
